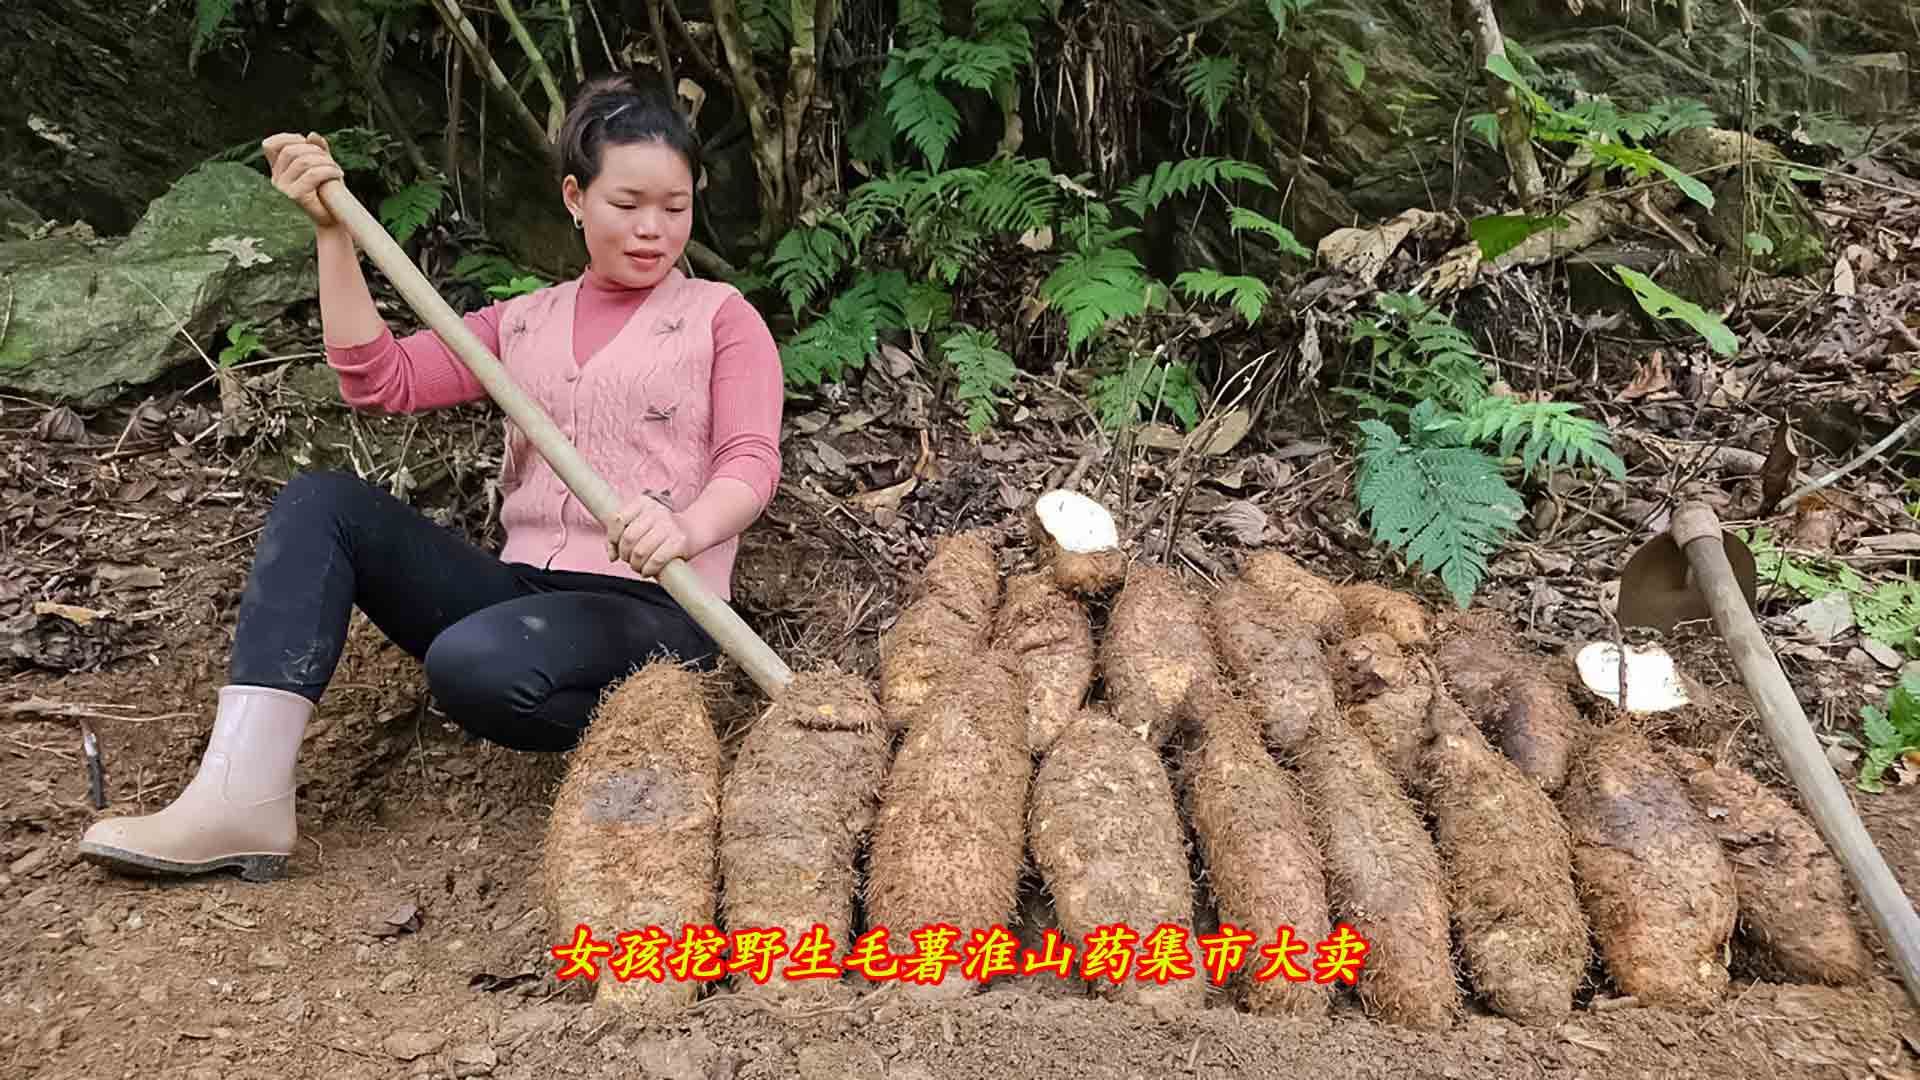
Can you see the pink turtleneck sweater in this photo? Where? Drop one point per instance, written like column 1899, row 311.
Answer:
column 402, row 375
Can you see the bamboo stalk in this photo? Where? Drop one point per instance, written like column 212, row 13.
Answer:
column 573, row 42
column 469, row 38
column 769, row 157
column 556, row 101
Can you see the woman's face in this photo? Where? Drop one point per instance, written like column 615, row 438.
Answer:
column 637, row 214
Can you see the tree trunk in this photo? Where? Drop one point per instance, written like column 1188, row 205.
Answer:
column 769, row 153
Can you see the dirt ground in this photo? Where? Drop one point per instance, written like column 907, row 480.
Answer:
column 408, row 941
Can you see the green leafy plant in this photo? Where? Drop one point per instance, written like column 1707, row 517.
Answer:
column 1497, row 234
column 1435, row 487
column 985, row 371
column 1208, row 80
column 1144, row 385
column 1891, row 733
column 209, row 20
column 499, row 277
column 1446, row 506
column 1887, row 610
column 1248, row 295
column 1662, row 304
column 243, row 341
column 1098, row 283
column 408, row 210
column 1241, row 219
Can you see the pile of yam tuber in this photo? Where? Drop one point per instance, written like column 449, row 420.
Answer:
column 1270, row 792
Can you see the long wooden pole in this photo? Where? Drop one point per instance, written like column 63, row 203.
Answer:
column 1697, row 531
column 713, row 614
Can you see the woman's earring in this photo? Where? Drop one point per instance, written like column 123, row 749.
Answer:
column 580, row 224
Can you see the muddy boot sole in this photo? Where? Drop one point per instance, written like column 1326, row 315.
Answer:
column 254, row 867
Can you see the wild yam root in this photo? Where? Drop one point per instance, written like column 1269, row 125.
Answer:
column 1795, row 905
column 1374, row 608
column 1520, row 698
column 1368, row 665
column 1154, row 651
column 951, row 833
column 1509, row 872
column 1081, row 542
column 1656, row 888
column 800, row 796
column 631, row 840
column 1047, row 630
column 952, row 613
column 1266, row 871
column 1298, row 590
column 1277, row 661
column 1105, row 832
column 1383, row 875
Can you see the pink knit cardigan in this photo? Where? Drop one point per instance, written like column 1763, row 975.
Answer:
column 663, row 390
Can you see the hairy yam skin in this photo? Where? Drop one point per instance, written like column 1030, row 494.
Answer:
column 1277, row 661
column 1383, row 875
column 631, row 840
column 1105, row 833
column 1048, row 630
column 950, row 837
column 1509, row 868
column 1520, row 699
column 951, row 614
column 1795, row 904
column 1372, row 608
column 1656, row 888
column 1155, row 649
column 1266, row 871
column 802, row 793
column 1307, row 595
column 1368, row 665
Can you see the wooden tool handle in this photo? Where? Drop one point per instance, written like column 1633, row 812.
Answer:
column 713, row 614
column 1697, row 530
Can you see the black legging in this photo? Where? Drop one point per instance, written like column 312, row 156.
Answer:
column 515, row 654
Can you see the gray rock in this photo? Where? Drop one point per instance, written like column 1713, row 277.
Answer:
column 85, row 319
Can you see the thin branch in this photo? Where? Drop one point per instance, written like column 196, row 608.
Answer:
column 594, row 12
column 369, row 78
column 456, row 86
column 659, row 31
column 700, row 58
column 469, row 38
column 60, row 710
column 708, row 261
column 573, row 42
column 769, row 159
column 556, row 101
column 1873, row 452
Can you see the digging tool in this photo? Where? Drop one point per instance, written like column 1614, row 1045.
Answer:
column 713, row 614
column 1647, row 591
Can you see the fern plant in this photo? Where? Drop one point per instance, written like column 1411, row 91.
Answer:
column 985, row 371
column 1436, row 489
column 1144, row 385
column 1207, row 80
column 1444, row 505
column 408, row 210
column 1248, row 295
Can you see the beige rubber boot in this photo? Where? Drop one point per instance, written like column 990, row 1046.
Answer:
column 237, row 811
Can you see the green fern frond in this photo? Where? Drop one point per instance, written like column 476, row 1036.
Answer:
column 1144, row 386
column 1674, row 114
column 805, row 260
column 406, row 211
column 1094, row 286
column 1554, row 436
column 848, row 334
column 1240, row 218
column 1012, row 195
column 985, row 372
column 1208, row 80
column 980, row 65
column 920, row 112
column 1175, row 178
column 1446, row 508
column 921, row 21
column 1249, row 295
column 1639, row 163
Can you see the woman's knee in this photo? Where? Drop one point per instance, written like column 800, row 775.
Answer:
column 489, row 683
column 321, row 495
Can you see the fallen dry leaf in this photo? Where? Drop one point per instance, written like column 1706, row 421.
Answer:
column 1363, row 252
column 1650, row 380
column 115, row 576
column 79, row 616
column 1245, row 521
column 1783, row 460
column 1843, row 277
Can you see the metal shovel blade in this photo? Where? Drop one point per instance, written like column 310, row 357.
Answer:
column 1657, row 589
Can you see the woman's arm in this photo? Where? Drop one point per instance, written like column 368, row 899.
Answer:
column 748, row 396
column 375, row 371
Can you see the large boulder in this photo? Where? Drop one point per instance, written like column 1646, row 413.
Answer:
column 85, row 320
